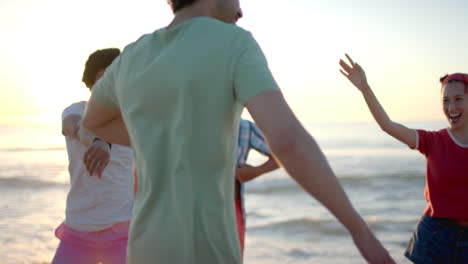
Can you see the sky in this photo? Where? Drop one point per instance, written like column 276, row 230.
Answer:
column 404, row 47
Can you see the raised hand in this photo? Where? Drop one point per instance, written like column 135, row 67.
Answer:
column 97, row 157
column 354, row 73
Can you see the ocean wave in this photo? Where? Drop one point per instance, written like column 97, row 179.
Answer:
column 27, row 183
column 388, row 176
column 332, row 226
column 31, row 149
column 286, row 184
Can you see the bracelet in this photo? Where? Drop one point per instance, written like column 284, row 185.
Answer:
column 96, row 139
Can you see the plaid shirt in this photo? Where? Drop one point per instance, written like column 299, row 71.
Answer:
column 250, row 137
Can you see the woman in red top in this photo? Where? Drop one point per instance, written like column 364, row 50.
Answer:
column 442, row 233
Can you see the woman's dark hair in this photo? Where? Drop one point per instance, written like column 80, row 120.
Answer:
column 97, row 61
column 176, row 5
column 442, row 79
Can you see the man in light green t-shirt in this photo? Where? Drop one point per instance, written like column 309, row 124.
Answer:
column 180, row 92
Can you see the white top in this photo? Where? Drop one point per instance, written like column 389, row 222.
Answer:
column 456, row 140
column 92, row 203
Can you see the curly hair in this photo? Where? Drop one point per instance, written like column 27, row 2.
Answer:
column 176, row 5
column 97, row 61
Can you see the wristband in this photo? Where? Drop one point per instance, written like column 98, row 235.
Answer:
column 96, row 139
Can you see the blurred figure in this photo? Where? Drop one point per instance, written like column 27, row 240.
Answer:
column 249, row 138
column 98, row 209
column 178, row 94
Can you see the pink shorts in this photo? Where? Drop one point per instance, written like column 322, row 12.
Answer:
column 106, row 246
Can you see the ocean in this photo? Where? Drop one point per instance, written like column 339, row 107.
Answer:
column 384, row 179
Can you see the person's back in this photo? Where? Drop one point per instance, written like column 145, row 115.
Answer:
column 178, row 105
column 97, row 203
column 175, row 89
column 98, row 209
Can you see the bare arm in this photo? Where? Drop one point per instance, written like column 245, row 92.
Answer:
column 357, row 77
column 299, row 153
column 97, row 155
column 304, row 161
column 247, row 173
column 85, row 137
column 106, row 124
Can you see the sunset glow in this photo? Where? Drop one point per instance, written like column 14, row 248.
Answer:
column 403, row 46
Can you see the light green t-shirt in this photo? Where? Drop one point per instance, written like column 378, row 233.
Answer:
column 181, row 92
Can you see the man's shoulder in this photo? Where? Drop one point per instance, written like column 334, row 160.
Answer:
column 441, row 133
column 215, row 23
column 75, row 108
column 204, row 29
column 204, row 24
column 140, row 41
column 430, row 139
column 221, row 30
column 78, row 104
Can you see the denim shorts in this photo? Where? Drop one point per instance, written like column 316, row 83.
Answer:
column 438, row 240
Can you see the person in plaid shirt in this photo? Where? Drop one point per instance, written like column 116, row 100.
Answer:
column 250, row 137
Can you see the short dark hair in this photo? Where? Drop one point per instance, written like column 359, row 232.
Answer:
column 442, row 79
column 176, row 5
column 97, row 61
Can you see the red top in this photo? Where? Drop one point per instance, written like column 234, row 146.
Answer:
column 447, row 174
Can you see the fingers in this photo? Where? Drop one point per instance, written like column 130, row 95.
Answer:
column 349, row 59
column 345, row 75
column 93, row 165
column 88, row 157
column 346, row 69
column 90, row 160
column 345, row 66
column 96, row 160
column 99, row 168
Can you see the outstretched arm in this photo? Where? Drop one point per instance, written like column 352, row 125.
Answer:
column 357, row 77
column 247, row 173
column 302, row 158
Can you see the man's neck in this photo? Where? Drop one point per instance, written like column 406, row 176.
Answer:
column 198, row 9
